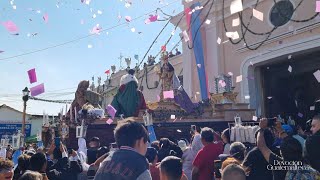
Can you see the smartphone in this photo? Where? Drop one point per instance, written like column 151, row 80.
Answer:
column 57, row 142
column 193, row 128
column 272, row 122
column 217, row 167
column 70, row 150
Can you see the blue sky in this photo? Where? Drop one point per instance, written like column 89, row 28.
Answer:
column 62, row 68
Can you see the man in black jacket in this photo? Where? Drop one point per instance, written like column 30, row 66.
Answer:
column 62, row 167
column 128, row 162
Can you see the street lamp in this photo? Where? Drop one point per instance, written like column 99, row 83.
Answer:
column 25, row 98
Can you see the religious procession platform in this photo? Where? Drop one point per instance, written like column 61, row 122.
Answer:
column 169, row 120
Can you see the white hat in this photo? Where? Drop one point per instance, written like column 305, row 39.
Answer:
column 128, row 78
column 182, row 144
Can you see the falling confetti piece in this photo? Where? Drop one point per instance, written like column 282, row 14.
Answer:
column 133, row 30
column 46, row 18
column 153, row 18
column 300, row 115
column 246, row 97
column 219, row 40
column 96, row 30
column 236, row 6
column 254, row 118
column 290, row 68
column 199, row 65
column 87, row 2
column 90, row 46
column 239, row 79
column 14, row 7
column 178, row 130
column 109, row 121
column 235, row 22
column 222, row 83
column 208, row 21
column 233, row 35
column 290, row 56
column 173, row 116
column 38, row 11
column 128, row 18
column 147, row 21
column 10, row 26
column 269, row 97
column 172, row 33
column 312, row 108
column 230, row 73
column 94, row 16
column 99, row 12
column 251, row 63
column 257, row 14
column 317, row 75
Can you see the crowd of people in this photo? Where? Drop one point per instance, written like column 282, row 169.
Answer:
column 281, row 152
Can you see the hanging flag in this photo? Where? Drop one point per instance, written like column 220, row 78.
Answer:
column 32, row 75
column 163, row 48
column 37, row 90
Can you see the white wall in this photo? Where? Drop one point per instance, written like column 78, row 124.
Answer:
column 10, row 116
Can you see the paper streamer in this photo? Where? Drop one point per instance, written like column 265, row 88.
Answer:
column 32, row 75
column 37, row 90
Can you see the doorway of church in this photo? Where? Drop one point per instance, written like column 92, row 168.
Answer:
column 290, row 88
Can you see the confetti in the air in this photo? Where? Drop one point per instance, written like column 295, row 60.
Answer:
column 269, row 97
column 236, row 6
column 94, row 16
column 208, row 21
column 133, row 30
column 173, row 116
column 46, row 18
column 239, row 79
column 10, row 26
column 236, row 22
column 199, row 65
column 290, row 68
column 99, row 12
column 222, row 83
column 312, row 108
column 246, row 97
column 219, row 40
column 109, row 121
column 230, row 73
column 257, row 14
column 90, row 46
column 290, row 56
column 317, row 75
column 128, row 18
column 254, row 118
column 178, row 130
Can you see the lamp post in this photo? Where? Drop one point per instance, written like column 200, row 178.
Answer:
column 25, row 98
